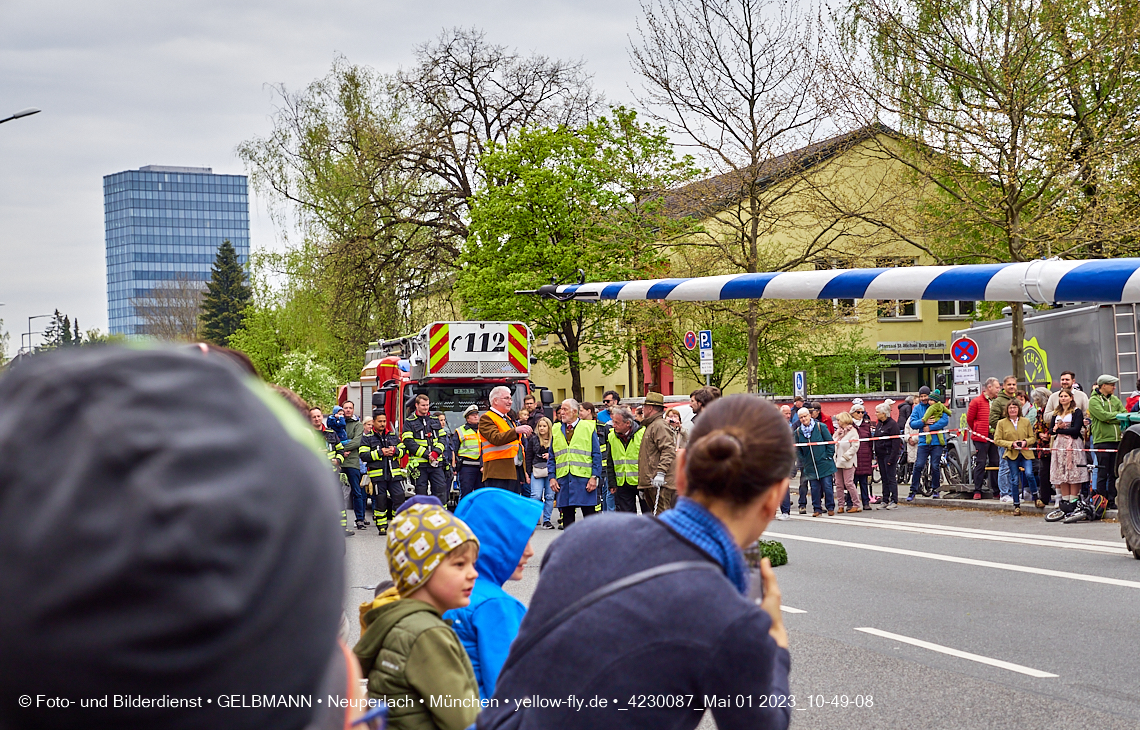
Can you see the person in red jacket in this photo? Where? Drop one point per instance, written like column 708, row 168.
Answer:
column 985, row 452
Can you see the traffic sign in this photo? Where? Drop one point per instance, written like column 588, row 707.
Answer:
column 964, row 351
column 799, row 383
column 690, row 340
column 707, row 366
column 706, row 339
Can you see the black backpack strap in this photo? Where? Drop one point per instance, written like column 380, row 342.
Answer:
column 522, row 647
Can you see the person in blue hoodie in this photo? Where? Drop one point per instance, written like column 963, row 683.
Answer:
column 336, row 423
column 504, row 523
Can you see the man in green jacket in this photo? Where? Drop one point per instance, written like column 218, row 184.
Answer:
column 1103, row 407
column 350, row 467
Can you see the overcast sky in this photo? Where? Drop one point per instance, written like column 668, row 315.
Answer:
column 124, row 84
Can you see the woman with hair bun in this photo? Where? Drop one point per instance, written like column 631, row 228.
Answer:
column 677, row 587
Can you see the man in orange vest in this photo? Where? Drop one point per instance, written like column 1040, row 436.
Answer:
column 500, row 443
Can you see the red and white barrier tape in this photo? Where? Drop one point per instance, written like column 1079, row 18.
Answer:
column 965, row 431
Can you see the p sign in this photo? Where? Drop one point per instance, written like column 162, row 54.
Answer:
column 706, row 339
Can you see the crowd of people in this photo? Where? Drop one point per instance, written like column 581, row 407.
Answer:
column 588, row 460
column 194, row 605
column 1039, row 446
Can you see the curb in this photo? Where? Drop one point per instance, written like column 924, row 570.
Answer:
column 989, row 505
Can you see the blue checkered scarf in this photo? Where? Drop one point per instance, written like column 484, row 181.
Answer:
column 702, row 528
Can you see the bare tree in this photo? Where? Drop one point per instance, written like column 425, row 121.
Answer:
column 170, row 311
column 1015, row 118
column 738, row 80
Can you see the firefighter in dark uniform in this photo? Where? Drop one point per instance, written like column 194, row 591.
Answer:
column 381, row 450
column 425, row 443
column 448, row 462
column 469, row 460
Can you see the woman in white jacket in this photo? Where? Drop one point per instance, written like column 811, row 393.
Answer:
column 846, row 459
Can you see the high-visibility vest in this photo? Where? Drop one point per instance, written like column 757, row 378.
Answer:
column 576, row 457
column 624, row 458
column 468, row 443
column 491, row 452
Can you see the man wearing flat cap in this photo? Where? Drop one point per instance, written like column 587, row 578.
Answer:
column 657, row 458
column 1103, row 407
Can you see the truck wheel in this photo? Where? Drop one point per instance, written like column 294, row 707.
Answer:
column 1128, row 501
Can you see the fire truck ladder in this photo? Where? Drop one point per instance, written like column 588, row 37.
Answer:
column 1124, row 325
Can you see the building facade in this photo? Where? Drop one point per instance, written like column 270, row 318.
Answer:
column 163, row 227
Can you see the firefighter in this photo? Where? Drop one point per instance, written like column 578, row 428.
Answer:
column 382, row 451
column 425, row 443
column 469, row 459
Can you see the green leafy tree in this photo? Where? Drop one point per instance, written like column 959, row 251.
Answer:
column 4, row 337
column 305, row 375
column 562, row 200
column 227, row 295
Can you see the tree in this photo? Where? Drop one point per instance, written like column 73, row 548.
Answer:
column 1016, row 118
column 306, row 376
column 171, row 310
column 376, row 171
column 559, row 200
column 3, row 344
column 60, row 333
column 738, row 80
column 227, row 296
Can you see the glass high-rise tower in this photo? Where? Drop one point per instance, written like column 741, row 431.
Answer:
column 164, row 224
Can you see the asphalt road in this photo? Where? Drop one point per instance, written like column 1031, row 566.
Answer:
column 1033, row 598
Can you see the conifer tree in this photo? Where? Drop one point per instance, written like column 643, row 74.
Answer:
column 227, row 294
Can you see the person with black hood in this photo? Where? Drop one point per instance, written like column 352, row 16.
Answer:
column 173, row 585
column 380, row 451
column 685, row 622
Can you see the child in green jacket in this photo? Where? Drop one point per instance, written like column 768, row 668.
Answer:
column 407, row 651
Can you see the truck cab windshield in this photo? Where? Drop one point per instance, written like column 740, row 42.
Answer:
column 452, row 400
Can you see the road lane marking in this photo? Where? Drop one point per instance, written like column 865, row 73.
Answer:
column 1010, row 538
column 958, row 653
column 789, row 609
column 962, row 561
column 1057, row 538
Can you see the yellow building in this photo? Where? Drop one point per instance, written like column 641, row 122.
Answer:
column 839, row 203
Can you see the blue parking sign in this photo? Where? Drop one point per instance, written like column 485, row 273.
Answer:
column 705, row 339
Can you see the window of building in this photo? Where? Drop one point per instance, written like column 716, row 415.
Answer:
column 896, row 308
column 843, row 307
column 956, row 310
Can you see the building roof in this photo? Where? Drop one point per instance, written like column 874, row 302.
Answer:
column 704, row 197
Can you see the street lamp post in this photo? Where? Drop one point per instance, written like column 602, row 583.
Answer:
column 22, row 113
column 37, row 316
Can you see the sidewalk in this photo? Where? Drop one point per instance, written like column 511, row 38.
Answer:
column 984, row 505
column 990, row 505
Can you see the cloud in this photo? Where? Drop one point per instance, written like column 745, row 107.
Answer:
column 124, row 84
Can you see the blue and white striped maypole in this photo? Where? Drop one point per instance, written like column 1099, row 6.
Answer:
column 1036, row 282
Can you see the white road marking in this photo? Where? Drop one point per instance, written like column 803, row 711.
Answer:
column 1058, row 538
column 958, row 653
column 1098, row 546
column 789, row 609
column 962, row 561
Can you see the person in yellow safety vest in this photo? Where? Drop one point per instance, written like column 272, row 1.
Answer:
column 332, row 448
column 576, row 463
column 621, row 466
column 469, row 457
column 499, row 442
column 425, row 443
column 381, row 450
column 588, row 412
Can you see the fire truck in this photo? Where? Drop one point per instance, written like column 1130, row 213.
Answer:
column 456, row 364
